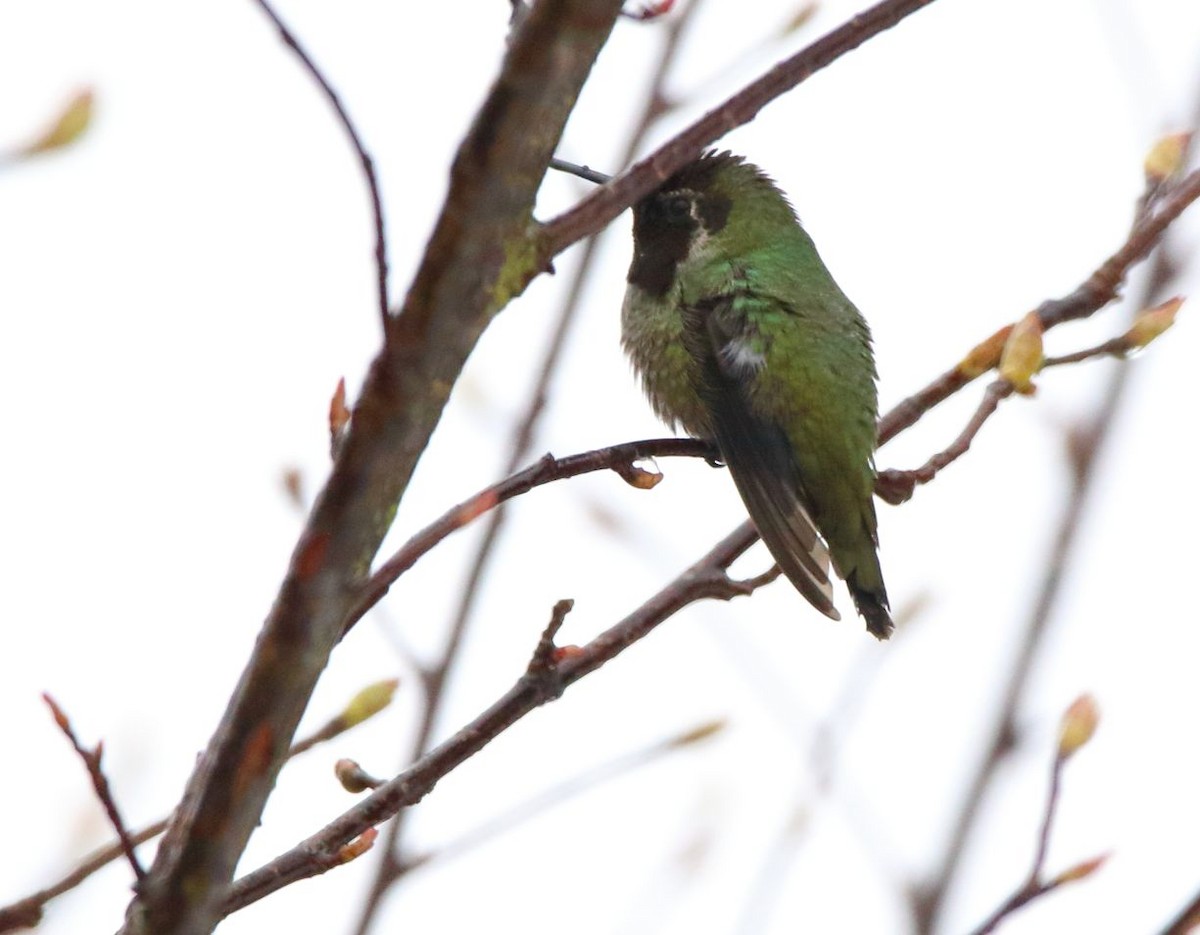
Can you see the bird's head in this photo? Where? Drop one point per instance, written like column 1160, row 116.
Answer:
column 718, row 207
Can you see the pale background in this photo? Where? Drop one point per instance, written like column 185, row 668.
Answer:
column 180, row 293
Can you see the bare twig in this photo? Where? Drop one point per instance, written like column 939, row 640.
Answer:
column 1104, row 285
column 542, row 664
column 897, row 486
column 1078, row 725
column 92, row 760
column 584, row 172
column 360, row 149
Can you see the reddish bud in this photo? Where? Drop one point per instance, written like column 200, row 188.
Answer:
column 565, row 653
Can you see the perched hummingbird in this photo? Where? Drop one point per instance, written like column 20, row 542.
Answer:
column 741, row 336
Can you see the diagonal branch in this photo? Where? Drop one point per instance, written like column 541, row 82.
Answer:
column 1098, row 290
column 705, row 579
column 620, row 458
column 604, row 204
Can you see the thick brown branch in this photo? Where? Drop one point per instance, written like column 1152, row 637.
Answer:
column 478, row 253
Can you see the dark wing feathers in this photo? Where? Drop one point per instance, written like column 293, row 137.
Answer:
column 760, row 459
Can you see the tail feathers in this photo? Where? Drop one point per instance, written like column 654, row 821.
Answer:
column 873, row 606
column 802, row 557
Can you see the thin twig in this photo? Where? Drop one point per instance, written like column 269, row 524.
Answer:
column 583, row 172
column 897, row 486
column 542, row 664
column 364, row 158
column 92, row 760
column 1036, row 884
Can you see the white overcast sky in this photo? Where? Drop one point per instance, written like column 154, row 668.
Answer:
column 180, row 293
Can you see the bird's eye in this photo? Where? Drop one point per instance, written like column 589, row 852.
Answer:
column 677, row 209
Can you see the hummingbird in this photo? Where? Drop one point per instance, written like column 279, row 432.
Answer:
column 740, row 335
